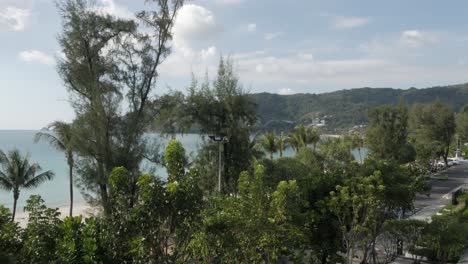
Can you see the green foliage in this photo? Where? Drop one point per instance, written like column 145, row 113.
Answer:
column 432, row 130
column 303, row 136
column 175, row 160
column 41, row 234
column 78, row 243
column 223, row 109
column 268, row 142
column 346, row 108
column 285, row 169
column 10, row 237
column 446, row 237
column 356, row 206
column 336, row 153
column 110, row 69
column 386, row 135
column 250, row 227
column 461, row 121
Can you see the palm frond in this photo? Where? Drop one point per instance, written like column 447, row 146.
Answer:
column 31, row 171
column 38, row 179
column 5, row 182
column 3, row 157
column 50, row 139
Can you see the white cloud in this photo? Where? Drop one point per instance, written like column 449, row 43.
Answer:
column 194, row 50
column 252, row 27
column 195, row 23
column 273, row 35
column 286, row 91
column 111, row 8
column 229, row 2
column 36, row 56
column 14, row 18
column 208, row 53
column 349, row 22
column 416, row 38
column 305, row 56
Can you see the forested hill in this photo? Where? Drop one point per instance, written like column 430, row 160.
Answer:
column 346, row 108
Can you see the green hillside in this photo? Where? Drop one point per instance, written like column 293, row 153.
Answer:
column 346, row 108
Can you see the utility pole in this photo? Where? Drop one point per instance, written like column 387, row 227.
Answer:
column 220, row 165
column 220, row 139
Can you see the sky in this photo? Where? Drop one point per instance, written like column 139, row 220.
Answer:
column 277, row 46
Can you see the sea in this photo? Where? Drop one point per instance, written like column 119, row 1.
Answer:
column 56, row 192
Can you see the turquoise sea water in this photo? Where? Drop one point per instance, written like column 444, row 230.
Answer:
column 55, row 192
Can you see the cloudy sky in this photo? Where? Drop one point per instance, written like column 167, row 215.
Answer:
column 277, row 46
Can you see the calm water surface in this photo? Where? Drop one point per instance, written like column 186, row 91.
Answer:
column 55, row 192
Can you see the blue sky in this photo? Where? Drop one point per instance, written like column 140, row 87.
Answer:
column 277, row 46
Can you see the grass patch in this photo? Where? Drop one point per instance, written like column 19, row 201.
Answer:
column 459, row 208
column 440, row 177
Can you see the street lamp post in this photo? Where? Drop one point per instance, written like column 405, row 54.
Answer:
column 220, row 139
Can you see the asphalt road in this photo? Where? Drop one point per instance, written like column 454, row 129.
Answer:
column 440, row 192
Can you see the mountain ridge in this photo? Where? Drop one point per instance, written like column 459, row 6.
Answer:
column 348, row 107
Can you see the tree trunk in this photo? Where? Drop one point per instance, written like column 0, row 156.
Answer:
column 360, row 157
column 15, row 199
column 14, row 210
column 105, row 199
column 446, row 152
column 70, row 170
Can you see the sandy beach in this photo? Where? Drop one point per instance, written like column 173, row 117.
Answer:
column 82, row 209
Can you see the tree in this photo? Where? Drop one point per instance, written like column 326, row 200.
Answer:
column 357, row 142
column 110, row 68
column 408, row 231
column 387, row 132
column 268, row 143
column 337, row 154
column 282, row 143
column 42, row 233
column 78, row 242
column 355, row 205
column 298, row 138
column 224, row 109
column 446, row 237
column 253, row 227
column 312, row 137
column 61, row 138
column 17, row 173
column 295, row 141
column 432, row 126
column 461, row 121
column 175, row 160
column 10, row 237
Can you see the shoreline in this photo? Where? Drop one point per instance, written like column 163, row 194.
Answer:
column 83, row 209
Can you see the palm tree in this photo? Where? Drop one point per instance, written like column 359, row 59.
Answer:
column 357, row 142
column 312, row 137
column 298, row 138
column 282, row 143
column 61, row 138
column 17, row 173
column 295, row 141
column 268, row 143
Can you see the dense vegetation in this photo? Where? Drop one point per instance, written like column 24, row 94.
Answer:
column 236, row 201
column 347, row 108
